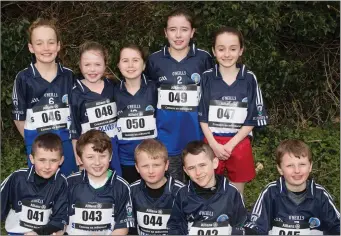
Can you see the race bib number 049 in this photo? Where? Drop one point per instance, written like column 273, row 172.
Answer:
column 178, row 97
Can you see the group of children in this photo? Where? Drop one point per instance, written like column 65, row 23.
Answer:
column 147, row 129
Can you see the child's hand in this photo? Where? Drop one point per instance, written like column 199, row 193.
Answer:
column 220, row 152
column 229, row 148
column 31, row 233
column 60, row 232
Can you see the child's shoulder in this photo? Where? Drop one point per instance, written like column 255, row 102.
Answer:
column 24, row 74
column 20, row 173
column 74, row 178
column 203, row 53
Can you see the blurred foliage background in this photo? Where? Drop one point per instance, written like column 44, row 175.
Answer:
column 292, row 47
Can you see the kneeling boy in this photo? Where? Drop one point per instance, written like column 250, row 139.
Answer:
column 209, row 204
column 294, row 204
column 154, row 194
column 99, row 199
column 34, row 200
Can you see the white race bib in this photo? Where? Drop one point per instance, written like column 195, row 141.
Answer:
column 178, row 97
column 47, row 117
column 210, row 228
column 102, row 115
column 92, row 217
column 34, row 215
column 152, row 222
column 302, row 228
column 226, row 116
column 137, row 125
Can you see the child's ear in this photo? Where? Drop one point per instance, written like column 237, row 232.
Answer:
column 137, row 168
column 215, row 162
column 61, row 160
column 280, row 171
column 30, row 48
column 31, row 159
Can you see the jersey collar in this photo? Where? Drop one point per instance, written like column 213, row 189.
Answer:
column 30, row 177
column 34, row 71
column 85, row 177
column 191, row 53
column 82, row 87
column 222, row 186
column 241, row 74
column 284, row 190
column 144, row 83
column 168, row 187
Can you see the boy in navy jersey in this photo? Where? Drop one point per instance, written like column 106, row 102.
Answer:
column 294, row 204
column 154, row 194
column 34, row 200
column 209, row 204
column 177, row 69
column 42, row 91
column 99, row 199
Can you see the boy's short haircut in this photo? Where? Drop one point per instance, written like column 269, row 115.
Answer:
column 48, row 141
column 295, row 147
column 153, row 148
column 100, row 140
column 195, row 148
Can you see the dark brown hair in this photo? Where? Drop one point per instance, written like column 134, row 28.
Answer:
column 195, row 148
column 48, row 142
column 100, row 141
column 51, row 23
column 181, row 12
column 153, row 148
column 231, row 30
column 295, row 147
column 135, row 47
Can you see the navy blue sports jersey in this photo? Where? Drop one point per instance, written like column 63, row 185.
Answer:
column 91, row 110
column 43, row 105
column 136, row 118
column 226, row 108
column 275, row 213
column 178, row 95
column 26, row 209
column 194, row 215
column 151, row 215
column 100, row 210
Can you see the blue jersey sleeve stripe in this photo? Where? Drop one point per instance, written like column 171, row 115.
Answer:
column 237, row 191
column 258, row 206
column 204, row 51
column 123, row 181
column 137, row 182
column 259, row 99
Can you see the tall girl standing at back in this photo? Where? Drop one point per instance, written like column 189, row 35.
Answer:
column 92, row 100
column 41, row 92
column 231, row 106
column 177, row 68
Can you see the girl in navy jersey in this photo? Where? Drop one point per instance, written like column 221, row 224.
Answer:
column 177, row 69
column 92, row 100
column 41, row 92
column 136, row 99
column 231, row 106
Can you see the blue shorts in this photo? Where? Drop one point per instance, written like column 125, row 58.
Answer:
column 69, row 165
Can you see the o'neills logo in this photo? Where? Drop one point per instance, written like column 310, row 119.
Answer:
column 179, row 87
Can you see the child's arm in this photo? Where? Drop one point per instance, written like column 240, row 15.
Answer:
column 75, row 128
column 239, row 210
column 19, row 104
column 6, row 196
column 330, row 216
column 177, row 223
column 123, row 212
column 261, row 216
column 219, row 150
column 20, row 124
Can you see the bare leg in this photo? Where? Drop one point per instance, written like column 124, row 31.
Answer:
column 240, row 187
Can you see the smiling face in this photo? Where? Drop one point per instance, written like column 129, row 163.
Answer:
column 151, row 170
column 200, row 168
column 92, row 65
column 95, row 163
column 295, row 171
column 227, row 49
column 131, row 63
column 46, row 162
column 179, row 32
column 44, row 44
